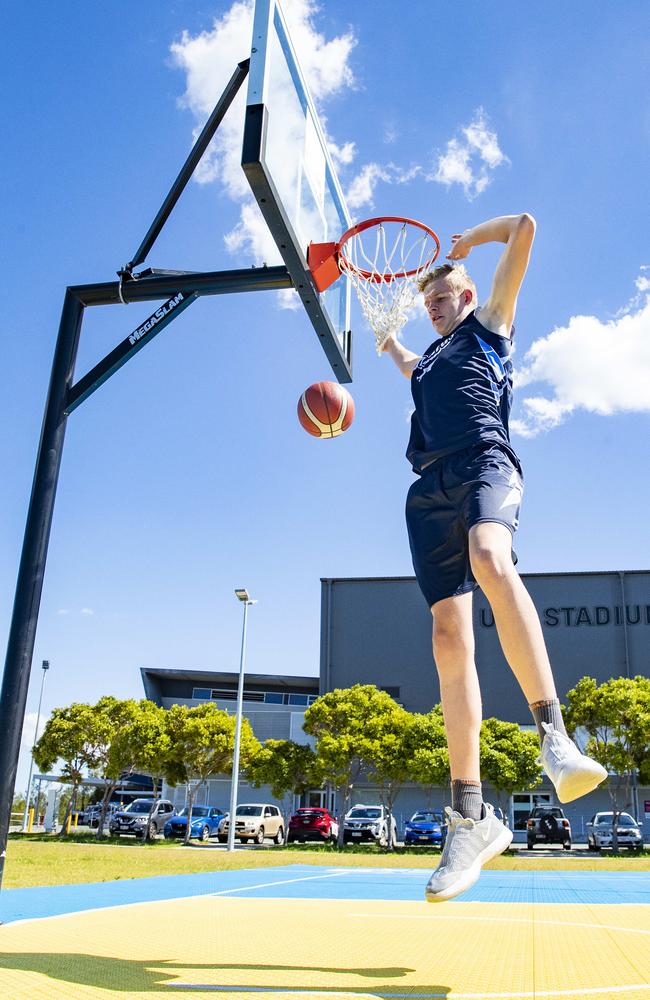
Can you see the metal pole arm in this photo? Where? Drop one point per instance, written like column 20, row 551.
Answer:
column 190, row 165
column 162, row 286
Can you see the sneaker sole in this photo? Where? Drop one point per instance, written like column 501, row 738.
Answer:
column 580, row 782
column 467, row 878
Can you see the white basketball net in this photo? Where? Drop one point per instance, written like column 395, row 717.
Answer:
column 375, row 261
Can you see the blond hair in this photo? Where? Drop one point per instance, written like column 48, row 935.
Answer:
column 454, row 273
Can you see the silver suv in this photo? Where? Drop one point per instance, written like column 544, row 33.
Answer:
column 600, row 832
column 368, row 823
column 255, row 821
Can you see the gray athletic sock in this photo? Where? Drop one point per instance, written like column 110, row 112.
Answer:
column 547, row 711
column 467, row 798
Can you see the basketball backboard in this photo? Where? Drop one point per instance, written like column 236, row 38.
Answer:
column 289, row 168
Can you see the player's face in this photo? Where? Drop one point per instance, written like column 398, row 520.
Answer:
column 445, row 304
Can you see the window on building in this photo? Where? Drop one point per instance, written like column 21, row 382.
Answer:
column 254, row 695
column 522, row 805
column 224, row 694
column 201, row 693
column 297, row 699
column 274, row 698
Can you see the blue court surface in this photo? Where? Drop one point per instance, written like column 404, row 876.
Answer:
column 315, row 882
column 314, row 932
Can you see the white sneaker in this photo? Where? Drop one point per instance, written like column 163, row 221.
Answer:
column 572, row 773
column 469, row 845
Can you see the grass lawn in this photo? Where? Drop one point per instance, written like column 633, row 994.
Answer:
column 40, row 859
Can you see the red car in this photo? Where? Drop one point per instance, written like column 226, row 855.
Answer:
column 312, row 824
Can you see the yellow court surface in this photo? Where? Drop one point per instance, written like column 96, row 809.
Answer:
column 214, row 945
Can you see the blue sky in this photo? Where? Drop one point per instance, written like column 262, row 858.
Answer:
column 188, row 474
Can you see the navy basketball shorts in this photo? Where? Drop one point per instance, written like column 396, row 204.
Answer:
column 481, row 483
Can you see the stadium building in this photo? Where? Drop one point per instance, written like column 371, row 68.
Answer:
column 378, row 631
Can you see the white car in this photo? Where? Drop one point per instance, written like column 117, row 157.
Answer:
column 368, row 823
column 254, row 821
column 599, row 832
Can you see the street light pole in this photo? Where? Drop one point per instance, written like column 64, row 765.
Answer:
column 244, row 597
column 46, row 667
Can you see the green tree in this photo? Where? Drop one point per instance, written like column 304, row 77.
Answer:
column 139, row 742
column 113, row 765
column 616, row 718
column 287, row 767
column 345, row 723
column 202, row 742
column 509, row 758
column 389, row 756
column 76, row 736
column 427, row 749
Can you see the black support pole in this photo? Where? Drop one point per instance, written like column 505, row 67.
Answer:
column 188, row 168
column 160, row 286
column 20, row 646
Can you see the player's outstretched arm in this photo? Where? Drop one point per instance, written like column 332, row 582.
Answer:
column 518, row 233
column 404, row 359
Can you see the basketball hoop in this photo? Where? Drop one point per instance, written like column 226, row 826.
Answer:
column 383, row 258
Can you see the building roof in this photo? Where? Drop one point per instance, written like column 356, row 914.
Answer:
column 524, row 575
column 153, row 679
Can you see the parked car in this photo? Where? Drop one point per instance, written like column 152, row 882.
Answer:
column 90, row 815
column 548, row 825
column 368, row 823
column 255, row 821
column 206, row 821
column 312, row 824
column 600, row 830
column 501, row 816
column 134, row 818
column 425, row 827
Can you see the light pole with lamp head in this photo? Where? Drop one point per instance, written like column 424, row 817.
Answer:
column 243, row 596
column 46, row 666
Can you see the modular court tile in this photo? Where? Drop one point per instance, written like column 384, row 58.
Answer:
column 317, row 932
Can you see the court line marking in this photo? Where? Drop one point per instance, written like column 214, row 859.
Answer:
column 267, row 885
column 172, row 899
column 503, row 920
column 451, row 995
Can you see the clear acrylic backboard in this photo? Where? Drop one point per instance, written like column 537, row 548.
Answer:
column 289, row 168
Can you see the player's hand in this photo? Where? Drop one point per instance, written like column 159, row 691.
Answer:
column 460, row 248
column 387, row 344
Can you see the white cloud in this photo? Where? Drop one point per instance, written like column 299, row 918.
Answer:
column 342, row 155
column 642, row 285
column 598, row 366
column 63, row 611
column 391, row 134
column 87, row 611
column 469, row 158
column 362, row 188
column 208, row 60
column 29, row 728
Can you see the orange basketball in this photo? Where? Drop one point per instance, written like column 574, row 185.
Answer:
column 326, row 409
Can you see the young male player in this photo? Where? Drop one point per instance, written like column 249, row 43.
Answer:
column 461, row 514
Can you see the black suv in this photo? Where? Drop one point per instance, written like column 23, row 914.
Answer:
column 548, row 825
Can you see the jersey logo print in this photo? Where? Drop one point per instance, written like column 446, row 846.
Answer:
column 426, row 363
column 499, row 377
column 513, row 497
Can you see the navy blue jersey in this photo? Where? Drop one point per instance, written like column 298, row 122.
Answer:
column 462, row 390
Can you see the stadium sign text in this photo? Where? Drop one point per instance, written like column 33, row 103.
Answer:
column 573, row 616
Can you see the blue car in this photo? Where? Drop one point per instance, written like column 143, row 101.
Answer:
column 425, row 827
column 205, row 823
